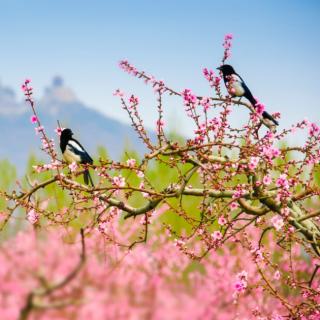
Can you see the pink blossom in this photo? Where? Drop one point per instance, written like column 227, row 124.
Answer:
column 233, row 205
column 314, row 130
column 267, row 180
column 259, row 107
column 270, row 152
column 285, row 211
column 239, row 192
column 276, row 275
column 253, row 163
column 205, row 102
column 141, row 186
column 282, row 181
column 277, row 222
column 38, row 169
column 215, row 124
column 293, row 129
column 214, row 80
column 39, row 129
column 134, row 100
column 119, row 181
column 33, row 119
column 242, row 282
column 227, row 46
column 222, row 220
column 243, row 275
column 73, row 166
column 216, row 235
column 257, row 254
column 160, row 124
column 32, row 216
column 209, row 74
column 189, row 97
column 118, row 93
column 58, row 130
column 131, row 162
column 228, row 36
column 114, row 211
column 140, row 174
column 45, row 144
column 240, row 286
column 103, row 226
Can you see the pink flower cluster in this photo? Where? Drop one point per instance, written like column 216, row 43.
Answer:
column 282, row 182
column 131, row 162
column 259, row 107
column 48, row 166
column 127, row 67
column 73, row 166
column 314, row 130
column 160, row 125
column 253, row 163
column 241, row 283
column 277, row 222
column 118, row 93
column 25, row 87
column 227, row 46
column 222, row 221
column 134, row 101
column 214, row 81
column 239, row 191
column 119, row 181
column 58, row 131
column 33, row 119
column 270, row 152
column 267, row 180
column 217, row 236
column 189, row 97
column 32, row 216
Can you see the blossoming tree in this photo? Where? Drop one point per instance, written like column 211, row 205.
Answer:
column 230, row 231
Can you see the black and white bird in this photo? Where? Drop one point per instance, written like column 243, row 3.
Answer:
column 73, row 151
column 238, row 88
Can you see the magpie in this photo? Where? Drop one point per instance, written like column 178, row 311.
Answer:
column 73, row 151
column 237, row 88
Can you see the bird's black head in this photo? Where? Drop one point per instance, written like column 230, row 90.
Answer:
column 226, row 70
column 66, row 134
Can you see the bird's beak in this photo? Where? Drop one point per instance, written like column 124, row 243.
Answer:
column 219, row 68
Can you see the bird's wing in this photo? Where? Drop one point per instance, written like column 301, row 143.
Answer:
column 253, row 101
column 75, row 147
column 247, row 93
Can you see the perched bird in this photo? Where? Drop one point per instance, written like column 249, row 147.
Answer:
column 237, row 88
column 73, row 151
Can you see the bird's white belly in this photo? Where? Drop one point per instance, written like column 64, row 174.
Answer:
column 237, row 89
column 70, row 157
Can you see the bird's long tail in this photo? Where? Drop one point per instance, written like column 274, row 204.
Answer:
column 87, row 178
column 265, row 114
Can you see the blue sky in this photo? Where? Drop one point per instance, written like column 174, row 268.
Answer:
column 276, row 49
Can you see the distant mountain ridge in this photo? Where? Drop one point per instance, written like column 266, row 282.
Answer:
column 59, row 102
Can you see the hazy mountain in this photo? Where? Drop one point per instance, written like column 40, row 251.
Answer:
column 58, row 102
